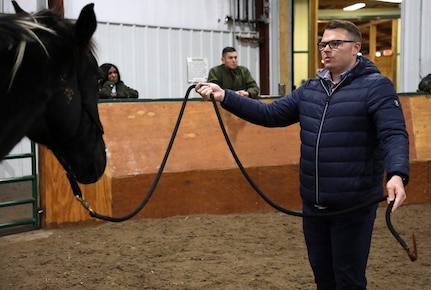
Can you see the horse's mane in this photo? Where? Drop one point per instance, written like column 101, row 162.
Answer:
column 18, row 30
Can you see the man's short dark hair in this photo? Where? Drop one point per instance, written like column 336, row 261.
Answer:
column 227, row 49
column 351, row 28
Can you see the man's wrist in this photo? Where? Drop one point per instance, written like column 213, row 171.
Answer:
column 404, row 178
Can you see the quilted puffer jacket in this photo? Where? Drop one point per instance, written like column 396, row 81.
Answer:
column 349, row 137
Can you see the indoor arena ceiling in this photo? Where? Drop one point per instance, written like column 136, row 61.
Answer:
column 384, row 14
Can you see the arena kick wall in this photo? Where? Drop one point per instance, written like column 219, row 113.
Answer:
column 201, row 176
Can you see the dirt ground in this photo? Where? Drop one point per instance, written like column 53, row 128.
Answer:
column 263, row 250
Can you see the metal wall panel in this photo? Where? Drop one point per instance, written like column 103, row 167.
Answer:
column 153, row 59
column 12, row 168
column 415, row 43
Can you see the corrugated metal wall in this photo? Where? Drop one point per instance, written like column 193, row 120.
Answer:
column 415, row 43
column 153, row 59
column 17, row 167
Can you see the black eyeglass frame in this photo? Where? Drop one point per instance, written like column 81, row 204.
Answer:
column 333, row 44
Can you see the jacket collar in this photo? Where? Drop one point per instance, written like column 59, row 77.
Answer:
column 363, row 66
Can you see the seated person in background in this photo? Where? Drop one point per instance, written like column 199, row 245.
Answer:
column 230, row 75
column 111, row 85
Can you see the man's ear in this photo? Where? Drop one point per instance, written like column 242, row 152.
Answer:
column 357, row 47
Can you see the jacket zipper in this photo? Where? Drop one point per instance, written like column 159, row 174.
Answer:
column 328, row 93
column 317, row 153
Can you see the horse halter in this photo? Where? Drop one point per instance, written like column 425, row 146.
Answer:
column 78, row 194
column 69, row 93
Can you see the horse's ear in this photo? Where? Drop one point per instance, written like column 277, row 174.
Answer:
column 86, row 23
column 18, row 9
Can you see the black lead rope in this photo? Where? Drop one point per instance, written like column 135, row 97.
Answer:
column 413, row 255
column 78, row 194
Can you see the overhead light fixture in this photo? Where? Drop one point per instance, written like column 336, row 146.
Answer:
column 354, row 7
column 391, row 1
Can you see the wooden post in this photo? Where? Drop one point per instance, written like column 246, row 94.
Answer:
column 56, row 197
column 58, row 5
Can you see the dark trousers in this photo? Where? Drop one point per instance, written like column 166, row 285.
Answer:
column 338, row 248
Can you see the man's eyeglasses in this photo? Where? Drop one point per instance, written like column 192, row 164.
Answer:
column 333, row 44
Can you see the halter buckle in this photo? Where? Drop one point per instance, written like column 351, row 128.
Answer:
column 84, row 203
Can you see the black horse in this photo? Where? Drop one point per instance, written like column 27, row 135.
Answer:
column 49, row 89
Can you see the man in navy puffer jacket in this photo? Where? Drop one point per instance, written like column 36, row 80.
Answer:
column 352, row 131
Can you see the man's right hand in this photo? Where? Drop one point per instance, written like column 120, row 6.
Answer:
column 208, row 89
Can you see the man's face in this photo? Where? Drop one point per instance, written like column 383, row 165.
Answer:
column 230, row 60
column 338, row 60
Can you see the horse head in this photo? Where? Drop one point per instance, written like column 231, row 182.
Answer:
column 52, row 89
